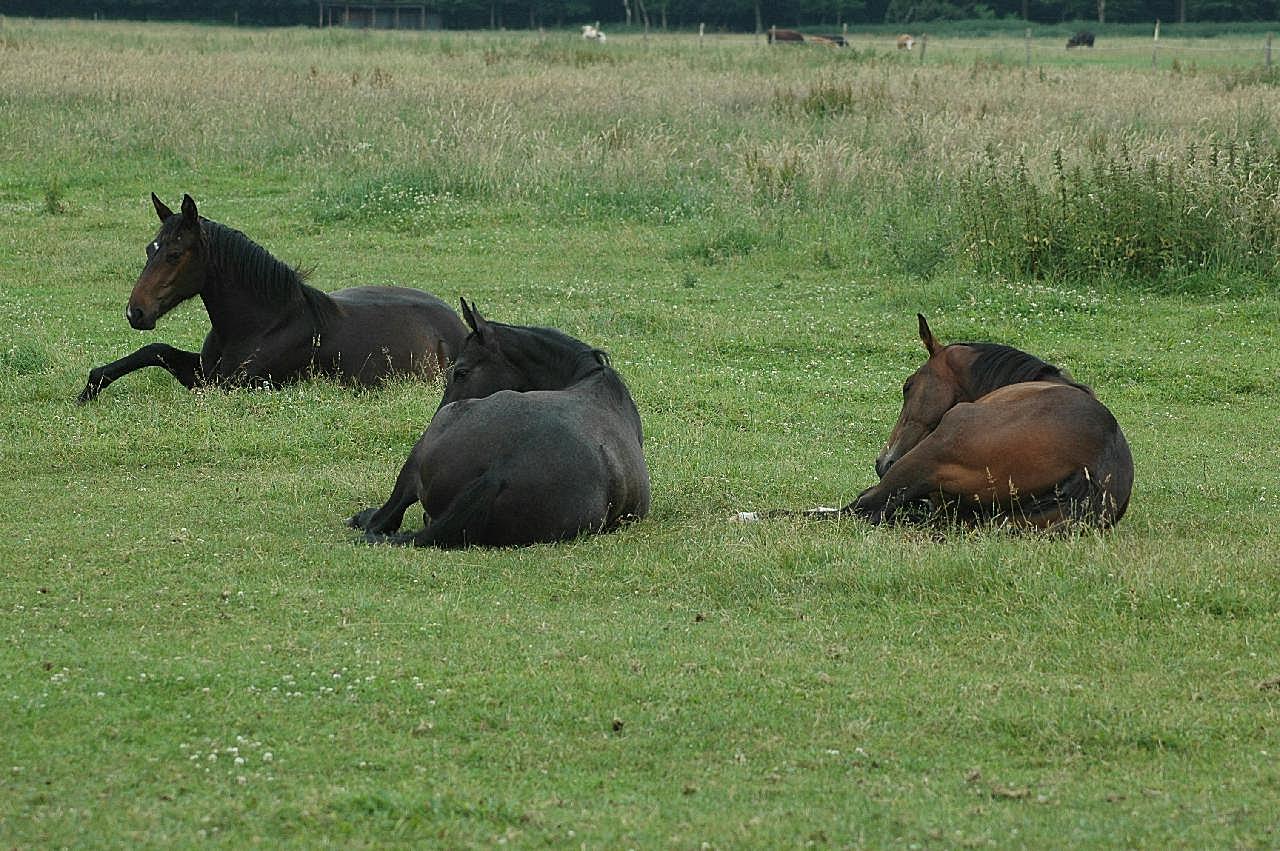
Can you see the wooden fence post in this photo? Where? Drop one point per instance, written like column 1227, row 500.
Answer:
column 702, row 28
column 1268, row 51
column 1155, row 45
column 924, row 45
column 1027, row 41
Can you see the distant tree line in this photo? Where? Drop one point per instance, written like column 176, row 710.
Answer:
column 742, row 15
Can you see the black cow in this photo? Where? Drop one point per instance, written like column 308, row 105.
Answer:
column 1084, row 38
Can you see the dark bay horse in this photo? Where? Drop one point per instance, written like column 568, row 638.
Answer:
column 537, row 439
column 268, row 325
column 990, row 433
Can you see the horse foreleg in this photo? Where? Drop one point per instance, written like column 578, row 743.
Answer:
column 906, row 481
column 182, row 365
column 390, row 515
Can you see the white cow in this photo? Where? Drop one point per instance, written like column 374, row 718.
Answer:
column 593, row 33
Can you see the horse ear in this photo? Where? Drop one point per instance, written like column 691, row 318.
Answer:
column 161, row 209
column 189, row 212
column 926, row 336
column 476, row 321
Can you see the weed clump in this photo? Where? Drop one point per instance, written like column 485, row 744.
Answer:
column 1158, row 223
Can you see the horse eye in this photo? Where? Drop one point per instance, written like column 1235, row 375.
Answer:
column 459, row 374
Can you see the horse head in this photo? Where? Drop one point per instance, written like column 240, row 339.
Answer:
column 927, row 394
column 174, row 270
column 496, row 356
column 481, row 368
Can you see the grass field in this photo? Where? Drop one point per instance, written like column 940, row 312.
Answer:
column 195, row 650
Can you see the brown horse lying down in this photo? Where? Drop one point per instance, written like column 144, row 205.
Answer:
column 991, row 433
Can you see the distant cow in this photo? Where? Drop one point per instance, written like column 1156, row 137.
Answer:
column 905, row 41
column 1084, row 38
column 828, row 40
column 777, row 35
column 593, row 33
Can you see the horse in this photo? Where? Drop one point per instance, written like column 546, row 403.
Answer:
column 1084, row 38
column 777, row 36
column 268, row 326
column 535, row 440
column 990, row 433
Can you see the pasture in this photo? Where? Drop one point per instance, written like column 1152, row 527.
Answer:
column 195, row 650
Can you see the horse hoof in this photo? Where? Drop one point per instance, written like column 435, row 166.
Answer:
column 361, row 519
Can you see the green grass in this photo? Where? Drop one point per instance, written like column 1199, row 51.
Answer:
column 749, row 233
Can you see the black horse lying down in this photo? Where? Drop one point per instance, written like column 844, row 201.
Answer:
column 268, row 325
column 536, row 439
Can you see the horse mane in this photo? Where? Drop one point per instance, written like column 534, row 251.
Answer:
column 998, row 365
column 234, row 256
column 551, row 350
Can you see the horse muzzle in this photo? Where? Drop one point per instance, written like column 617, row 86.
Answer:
column 884, row 462
column 139, row 318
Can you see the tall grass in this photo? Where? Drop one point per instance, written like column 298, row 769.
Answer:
column 1203, row 215
column 410, row 131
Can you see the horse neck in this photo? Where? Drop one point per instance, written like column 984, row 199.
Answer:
column 588, row 370
column 1014, row 367
column 247, row 290
column 614, row 390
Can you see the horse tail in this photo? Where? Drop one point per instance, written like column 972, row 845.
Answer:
column 1114, row 476
column 467, row 515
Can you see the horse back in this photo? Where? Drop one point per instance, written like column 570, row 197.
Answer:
column 379, row 331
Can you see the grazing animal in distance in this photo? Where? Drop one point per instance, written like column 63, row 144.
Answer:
column 1084, row 38
column 828, row 40
column 536, row 440
column 777, row 36
column 905, row 41
column 268, row 326
column 989, row 433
